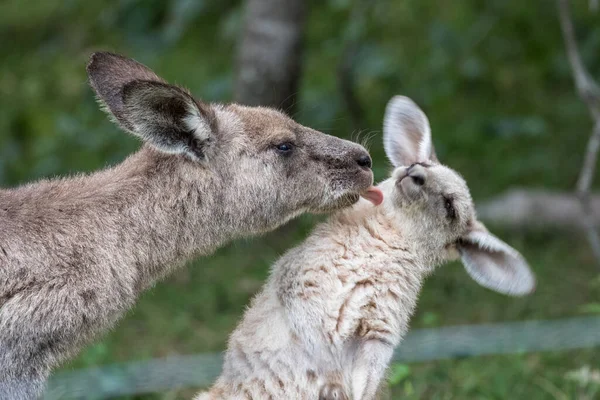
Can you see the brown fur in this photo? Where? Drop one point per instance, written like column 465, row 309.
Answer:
column 76, row 252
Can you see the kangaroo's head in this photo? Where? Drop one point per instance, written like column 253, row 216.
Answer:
column 433, row 206
column 267, row 168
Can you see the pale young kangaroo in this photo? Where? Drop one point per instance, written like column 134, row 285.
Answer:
column 76, row 252
column 334, row 308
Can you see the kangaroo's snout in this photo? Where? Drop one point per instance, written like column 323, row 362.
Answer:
column 345, row 165
column 356, row 158
column 364, row 161
column 340, row 154
column 355, row 163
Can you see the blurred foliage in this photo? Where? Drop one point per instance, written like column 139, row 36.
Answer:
column 492, row 76
column 398, row 372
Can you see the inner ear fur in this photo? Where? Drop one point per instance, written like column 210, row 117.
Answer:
column 494, row 264
column 142, row 103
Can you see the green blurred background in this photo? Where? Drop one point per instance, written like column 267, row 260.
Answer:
column 492, row 76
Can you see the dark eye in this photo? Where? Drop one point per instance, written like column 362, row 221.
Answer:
column 284, row 148
column 449, row 206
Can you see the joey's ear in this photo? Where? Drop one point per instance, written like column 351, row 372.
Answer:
column 406, row 133
column 494, row 264
column 140, row 102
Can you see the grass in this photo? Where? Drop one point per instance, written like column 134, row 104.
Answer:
column 195, row 309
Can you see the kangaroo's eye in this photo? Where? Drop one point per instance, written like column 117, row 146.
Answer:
column 449, row 206
column 284, row 148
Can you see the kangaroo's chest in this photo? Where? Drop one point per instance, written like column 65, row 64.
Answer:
column 352, row 301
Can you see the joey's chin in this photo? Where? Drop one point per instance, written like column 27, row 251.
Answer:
column 401, row 199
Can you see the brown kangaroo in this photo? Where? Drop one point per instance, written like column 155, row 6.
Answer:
column 76, row 252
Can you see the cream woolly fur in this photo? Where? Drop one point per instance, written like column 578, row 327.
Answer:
column 334, row 308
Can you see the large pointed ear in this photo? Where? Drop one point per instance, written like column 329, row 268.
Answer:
column 406, row 133
column 140, row 102
column 494, row 264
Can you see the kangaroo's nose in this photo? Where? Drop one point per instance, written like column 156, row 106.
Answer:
column 364, row 161
column 417, row 173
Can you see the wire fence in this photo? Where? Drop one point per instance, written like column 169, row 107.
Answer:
column 161, row 375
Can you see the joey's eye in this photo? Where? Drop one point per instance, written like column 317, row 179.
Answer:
column 284, row 148
column 449, row 206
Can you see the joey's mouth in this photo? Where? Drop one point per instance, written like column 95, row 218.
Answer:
column 403, row 176
column 407, row 192
column 410, row 187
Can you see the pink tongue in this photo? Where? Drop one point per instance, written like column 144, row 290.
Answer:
column 374, row 195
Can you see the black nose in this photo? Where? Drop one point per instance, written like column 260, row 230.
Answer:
column 419, row 180
column 364, row 161
column 417, row 174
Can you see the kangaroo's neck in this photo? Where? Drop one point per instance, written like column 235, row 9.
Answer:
column 369, row 231
column 370, row 246
column 147, row 214
column 176, row 215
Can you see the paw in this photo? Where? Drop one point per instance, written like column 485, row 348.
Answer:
column 332, row 391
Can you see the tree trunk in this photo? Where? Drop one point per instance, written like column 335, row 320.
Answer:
column 522, row 209
column 270, row 54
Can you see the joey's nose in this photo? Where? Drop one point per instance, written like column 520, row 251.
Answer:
column 364, row 161
column 417, row 173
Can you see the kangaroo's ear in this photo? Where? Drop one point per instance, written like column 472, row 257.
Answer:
column 494, row 264
column 140, row 102
column 406, row 133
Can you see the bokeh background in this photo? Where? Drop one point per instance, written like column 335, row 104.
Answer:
column 492, row 75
